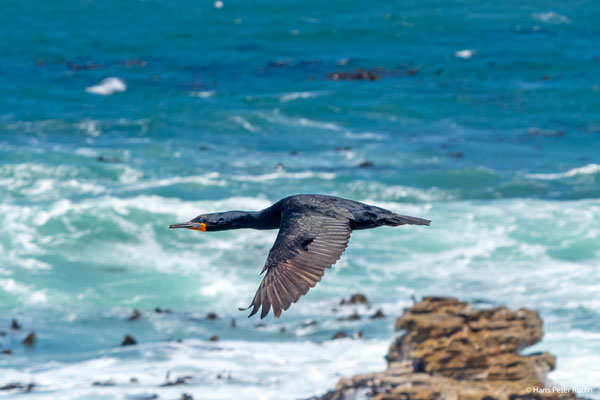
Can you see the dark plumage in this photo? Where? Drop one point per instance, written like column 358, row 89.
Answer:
column 313, row 233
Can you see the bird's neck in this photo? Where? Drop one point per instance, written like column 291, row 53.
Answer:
column 239, row 220
column 268, row 218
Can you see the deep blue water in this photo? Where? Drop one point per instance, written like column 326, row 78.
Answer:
column 485, row 118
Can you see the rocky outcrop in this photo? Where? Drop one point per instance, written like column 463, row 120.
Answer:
column 450, row 350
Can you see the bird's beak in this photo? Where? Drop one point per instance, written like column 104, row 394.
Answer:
column 197, row 226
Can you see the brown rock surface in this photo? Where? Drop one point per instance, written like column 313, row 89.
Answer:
column 452, row 351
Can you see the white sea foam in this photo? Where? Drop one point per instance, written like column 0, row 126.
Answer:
column 33, row 264
column 203, row 94
column 258, row 370
column 378, row 192
column 41, row 186
column 365, row 135
column 578, row 369
column 90, row 127
column 467, row 53
column 219, row 287
column 34, row 126
column 129, row 175
column 551, row 17
column 208, row 179
column 318, row 124
column 285, row 175
column 25, row 293
column 86, row 152
column 278, row 118
column 585, row 170
column 43, row 182
column 460, row 256
column 107, row 86
column 31, row 170
column 573, row 334
column 244, row 124
column 297, row 95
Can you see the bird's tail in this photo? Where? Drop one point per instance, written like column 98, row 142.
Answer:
column 396, row 220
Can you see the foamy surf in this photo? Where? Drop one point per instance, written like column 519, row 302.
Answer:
column 244, row 124
column 285, row 175
column 226, row 370
column 107, row 86
column 589, row 169
column 192, row 273
column 467, row 53
column 276, row 117
column 551, row 17
column 203, row 94
column 297, row 95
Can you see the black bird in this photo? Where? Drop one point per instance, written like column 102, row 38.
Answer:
column 314, row 231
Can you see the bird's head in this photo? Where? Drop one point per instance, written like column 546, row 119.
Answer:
column 215, row 222
column 197, row 224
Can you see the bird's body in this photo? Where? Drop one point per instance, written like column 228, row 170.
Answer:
column 313, row 232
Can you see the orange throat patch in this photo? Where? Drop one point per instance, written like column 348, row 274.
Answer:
column 202, row 228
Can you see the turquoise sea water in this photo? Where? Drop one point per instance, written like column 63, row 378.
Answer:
column 211, row 109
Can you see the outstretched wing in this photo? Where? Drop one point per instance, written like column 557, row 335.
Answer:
column 307, row 244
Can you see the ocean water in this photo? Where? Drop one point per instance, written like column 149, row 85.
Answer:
column 119, row 118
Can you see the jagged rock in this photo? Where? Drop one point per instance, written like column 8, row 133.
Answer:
column 128, row 341
column 358, row 74
column 446, row 337
column 109, row 382
column 211, row 317
column 452, row 351
column 25, row 387
column 14, row 325
column 182, row 380
column 352, row 317
column 339, row 335
column 108, row 159
column 213, row 338
column 378, row 314
column 224, row 375
column 29, row 340
column 143, row 396
column 135, row 62
column 357, row 298
column 135, row 315
column 455, row 154
column 311, row 322
column 343, row 148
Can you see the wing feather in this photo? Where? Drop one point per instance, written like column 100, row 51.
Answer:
column 308, row 244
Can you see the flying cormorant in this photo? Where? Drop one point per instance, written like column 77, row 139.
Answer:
column 313, row 233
